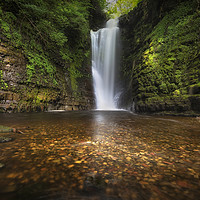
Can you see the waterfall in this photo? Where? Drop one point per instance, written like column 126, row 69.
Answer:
column 104, row 65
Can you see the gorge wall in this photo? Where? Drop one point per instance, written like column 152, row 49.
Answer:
column 45, row 54
column 161, row 56
column 18, row 94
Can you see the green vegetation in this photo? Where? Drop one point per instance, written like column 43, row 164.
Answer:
column 74, row 74
column 52, row 34
column 3, row 85
column 163, row 59
column 5, row 129
column 172, row 59
column 121, row 7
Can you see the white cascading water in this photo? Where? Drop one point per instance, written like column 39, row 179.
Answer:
column 104, row 44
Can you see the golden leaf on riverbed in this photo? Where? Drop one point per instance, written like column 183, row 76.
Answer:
column 143, row 183
column 12, row 175
column 56, row 161
column 78, row 161
column 128, row 158
column 25, row 181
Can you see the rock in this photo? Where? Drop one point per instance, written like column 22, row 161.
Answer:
column 195, row 102
column 5, row 139
column 75, row 108
column 154, row 76
column 94, row 183
column 1, row 165
column 39, row 94
column 194, row 89
column 69, row 108
column 5, row 129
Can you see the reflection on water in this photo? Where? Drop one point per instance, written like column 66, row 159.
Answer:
column 100, row 155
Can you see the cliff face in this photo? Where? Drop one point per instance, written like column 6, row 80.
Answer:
column 45, row 54
column 161, row 57
column 40, row 94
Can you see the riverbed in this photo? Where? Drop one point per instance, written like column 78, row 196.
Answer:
column 100, row 155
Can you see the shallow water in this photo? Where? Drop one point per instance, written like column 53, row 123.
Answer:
column 100, row 155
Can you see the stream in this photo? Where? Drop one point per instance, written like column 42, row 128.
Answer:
column 100, row 155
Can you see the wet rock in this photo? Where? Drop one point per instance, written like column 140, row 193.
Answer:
column 5, row 129
column 5, row 139
column 1, row 165
column 94, row 183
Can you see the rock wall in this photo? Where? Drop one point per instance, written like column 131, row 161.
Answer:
column 161, row 57
column 19, row 95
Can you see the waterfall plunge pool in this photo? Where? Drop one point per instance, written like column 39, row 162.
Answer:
column 100, row 155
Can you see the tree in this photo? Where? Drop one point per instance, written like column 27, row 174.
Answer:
column 120, row 7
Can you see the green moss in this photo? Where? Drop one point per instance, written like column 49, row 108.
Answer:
column 175, row 36
column 164, row 63
column 75, row 74
column 171, row 59
column 177, row 92
column 39, row 64
column 5, row 129
column 3, row 84
column 52, row 36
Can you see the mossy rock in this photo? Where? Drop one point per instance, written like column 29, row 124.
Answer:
column 5, row 129
column 194, row 89
column 4, row 139
column 163, row 66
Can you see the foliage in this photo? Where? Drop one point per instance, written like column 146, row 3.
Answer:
column 39, row 63
column 121, row 7
column 51, row 33
column 3, row 84
column 74, row 75
column 162, row 56
column 174, row 44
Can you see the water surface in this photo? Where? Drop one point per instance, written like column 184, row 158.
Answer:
column 100, row 155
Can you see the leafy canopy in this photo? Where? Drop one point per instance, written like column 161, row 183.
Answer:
column 120, row 7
